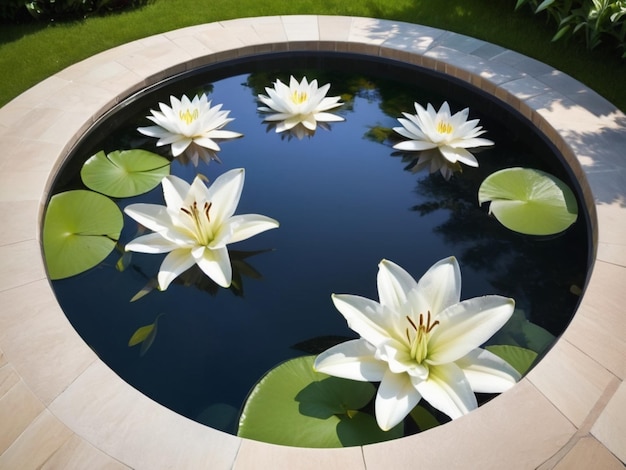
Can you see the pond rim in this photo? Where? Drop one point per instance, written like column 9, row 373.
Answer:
column 144, row 62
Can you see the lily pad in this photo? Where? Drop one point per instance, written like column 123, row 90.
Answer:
column 521, row 359
column 124, row 173
column 529, row 201
column 518, row 331
column 296, row 406
column 80, row 230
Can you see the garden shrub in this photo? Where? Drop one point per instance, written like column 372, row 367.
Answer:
column 594, row 21
column 54, row 10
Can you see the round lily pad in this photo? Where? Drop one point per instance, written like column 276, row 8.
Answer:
column 521, row 359
column 529, row 201
column 80, row 229
column 296, row 406
column 124, row 173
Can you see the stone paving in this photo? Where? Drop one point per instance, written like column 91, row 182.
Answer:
column 62, row 408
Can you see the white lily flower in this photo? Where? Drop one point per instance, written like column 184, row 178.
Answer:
column 299, row 106
column 420, row 341
column 450, row 134
column 196, row 225
column 190, row 126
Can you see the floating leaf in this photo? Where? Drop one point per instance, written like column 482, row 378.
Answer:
column 144, row 335
column 529, row 201
column 518, row 331
column 423, row 418
column 295, row 405
column 124, row 173
column 521, row 359
column 152, row 284
column 81, row 229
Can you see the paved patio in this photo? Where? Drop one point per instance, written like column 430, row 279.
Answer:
column 61, row 407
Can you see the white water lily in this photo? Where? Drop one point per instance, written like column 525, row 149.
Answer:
column 420, row 341
column 196, row 225
column 442, row 137
column 299, row 107
column 190, row 126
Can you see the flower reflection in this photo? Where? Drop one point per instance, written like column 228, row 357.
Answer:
column 191, row 127
column 441, row 138
column 421, row 341
column 299, row 107
column 195, row 277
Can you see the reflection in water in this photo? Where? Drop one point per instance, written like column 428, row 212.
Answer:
column 344, row 204
column 508, row 259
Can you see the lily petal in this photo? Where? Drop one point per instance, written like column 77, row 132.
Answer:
column 224, row 194
column 248, row 225
column 175, row 190
column 152, row 243
column 214, row 263
column 151, row 216
column 394, row 283
column 175, row 263
column 486, row 372
column 440, row 286
column 395, row 399
column 466, row 325
column 364, row 316
column 351, row 360
column 448, row 390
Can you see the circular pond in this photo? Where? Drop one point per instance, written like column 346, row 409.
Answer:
column 345, row 199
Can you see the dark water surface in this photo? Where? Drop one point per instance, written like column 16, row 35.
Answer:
column 344, row 201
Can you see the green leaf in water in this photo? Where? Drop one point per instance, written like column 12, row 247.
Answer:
column 518, row 331
column 80, row 230
column 529, row 201
column 145, row 336
column 124, row 173
column 296, row 406
column 423, row 418
column 145, row 290
column 521, row 359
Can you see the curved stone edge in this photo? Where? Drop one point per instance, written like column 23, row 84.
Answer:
column 56, row 383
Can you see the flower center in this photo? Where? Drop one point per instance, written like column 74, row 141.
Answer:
column 419, row 340
column 201, row 221
column 444, row 127
column 188, row 116
column 299, row 97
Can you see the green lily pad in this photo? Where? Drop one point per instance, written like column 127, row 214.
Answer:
column 518, row 331
column 529, row 201
column 124, row 173
column 296, row 406
column 521, row 359
column 80, row 229
column 423, row 418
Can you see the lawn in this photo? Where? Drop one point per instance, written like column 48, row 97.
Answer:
column 30, row 53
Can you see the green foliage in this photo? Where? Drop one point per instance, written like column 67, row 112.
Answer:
column 521, row 359
column 529, row 201
column 124, row 173
column 53, row 10
column 594, row 21
column 80, row 229
column 296, row 406
column 11, row 10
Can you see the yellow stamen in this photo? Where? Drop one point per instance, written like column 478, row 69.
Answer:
column 444, row 127
column 299, row 97
column 204, row 234
column 188, row 116
column 419, row 342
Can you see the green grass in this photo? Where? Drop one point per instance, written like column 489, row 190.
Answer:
column 30, row 53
